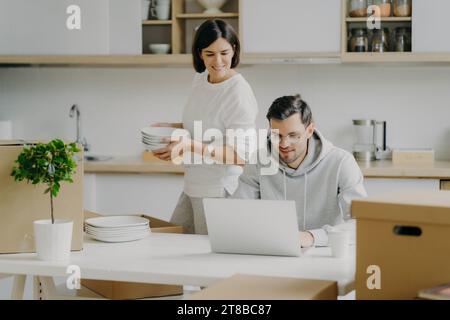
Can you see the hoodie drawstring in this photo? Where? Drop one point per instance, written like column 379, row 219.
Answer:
column 304, row 202
column 304, row 195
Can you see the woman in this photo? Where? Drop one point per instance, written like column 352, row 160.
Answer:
column 220, row 99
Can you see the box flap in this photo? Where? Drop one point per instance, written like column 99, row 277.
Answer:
column 20, row 142
column 421, row 206
column 253, row 287
column 14, row 142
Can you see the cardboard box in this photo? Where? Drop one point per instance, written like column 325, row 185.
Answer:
column 412, row 156
column 403, row 243
column 21, row 203
column 251, row 287
column 128, row 290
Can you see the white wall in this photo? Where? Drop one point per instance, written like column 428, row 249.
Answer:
column 115, row 103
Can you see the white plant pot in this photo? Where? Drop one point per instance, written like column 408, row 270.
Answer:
column 53, row 241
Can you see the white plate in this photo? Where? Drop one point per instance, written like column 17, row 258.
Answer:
column 149, row 136
column 158, row 131
column 132, row 228
column 117, row 222
column 152, row 148
column 119, row 239
column 154, row 143
column 132, row 234
column 119, row 234
column 146, row 136
column 113, row 231
column 153, row 140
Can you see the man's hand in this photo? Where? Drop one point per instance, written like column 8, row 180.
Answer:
column 306, row 239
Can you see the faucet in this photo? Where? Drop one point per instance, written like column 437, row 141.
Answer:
column 74, row 111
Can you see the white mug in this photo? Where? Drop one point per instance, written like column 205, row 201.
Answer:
column 145, row 9
column 339, row 241
column 162, row 12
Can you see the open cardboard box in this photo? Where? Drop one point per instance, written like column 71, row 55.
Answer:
column 129, row 290
column 403, row 243
column 21, row 203
column 252, row 287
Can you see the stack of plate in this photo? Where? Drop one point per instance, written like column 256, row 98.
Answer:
column 117, row 228
column 152, row 137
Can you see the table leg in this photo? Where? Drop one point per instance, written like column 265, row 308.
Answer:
column 18, row 287
column 44, row 288
column 37, row 288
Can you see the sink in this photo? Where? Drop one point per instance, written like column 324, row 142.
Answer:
column 96, row 158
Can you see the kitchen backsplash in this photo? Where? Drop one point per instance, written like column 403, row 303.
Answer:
column 115, row 103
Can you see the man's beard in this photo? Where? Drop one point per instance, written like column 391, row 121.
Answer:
column 291, row 159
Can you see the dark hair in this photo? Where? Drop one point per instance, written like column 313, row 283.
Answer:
column 208, row 32
column 284, row 107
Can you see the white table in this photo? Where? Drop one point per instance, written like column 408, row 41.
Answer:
column 180, row 259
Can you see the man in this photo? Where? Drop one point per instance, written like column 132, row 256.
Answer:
column 321, row 178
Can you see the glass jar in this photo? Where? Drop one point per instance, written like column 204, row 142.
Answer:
column 385, row 7
column 402, row 8
column 358, row 8
column 403, row 39
column 380, row 40
column 358, row 41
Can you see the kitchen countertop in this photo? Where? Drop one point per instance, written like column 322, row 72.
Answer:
column 386, row 169
column 374, row 169
column 132, row 165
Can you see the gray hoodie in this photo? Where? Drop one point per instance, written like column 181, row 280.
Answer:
column 323, row 186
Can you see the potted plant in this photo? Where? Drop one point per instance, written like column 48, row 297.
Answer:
column 50, row 164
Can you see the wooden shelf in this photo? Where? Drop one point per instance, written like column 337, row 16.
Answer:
column 382, row 19
column 96, row 60
column 207, row 16
column 156, row 22
column 185, row 60
column 395, row 57
column 291, row 58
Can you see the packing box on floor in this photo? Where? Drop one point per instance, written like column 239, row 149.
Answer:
column 21, row 203
column 130, row 290
column 251, row 287
column 403, row 243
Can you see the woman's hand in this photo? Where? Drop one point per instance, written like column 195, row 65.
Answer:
column 178, row 125
column 174, row 149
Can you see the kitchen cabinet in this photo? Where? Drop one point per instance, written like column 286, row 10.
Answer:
column 185, row 17
column 290, row 26
column 40, row 27
column 430, row 23
column 362, row 42
column 377, row 186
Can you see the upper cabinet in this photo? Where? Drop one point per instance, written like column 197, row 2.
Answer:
column 431, row 26
column 70, row 27
column 291, row 26
column 170, row 30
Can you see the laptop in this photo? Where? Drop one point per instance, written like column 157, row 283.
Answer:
column 262, row 227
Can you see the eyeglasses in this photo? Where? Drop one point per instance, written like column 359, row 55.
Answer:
column 290, row 138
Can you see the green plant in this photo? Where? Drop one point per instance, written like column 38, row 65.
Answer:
column 50, row 163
